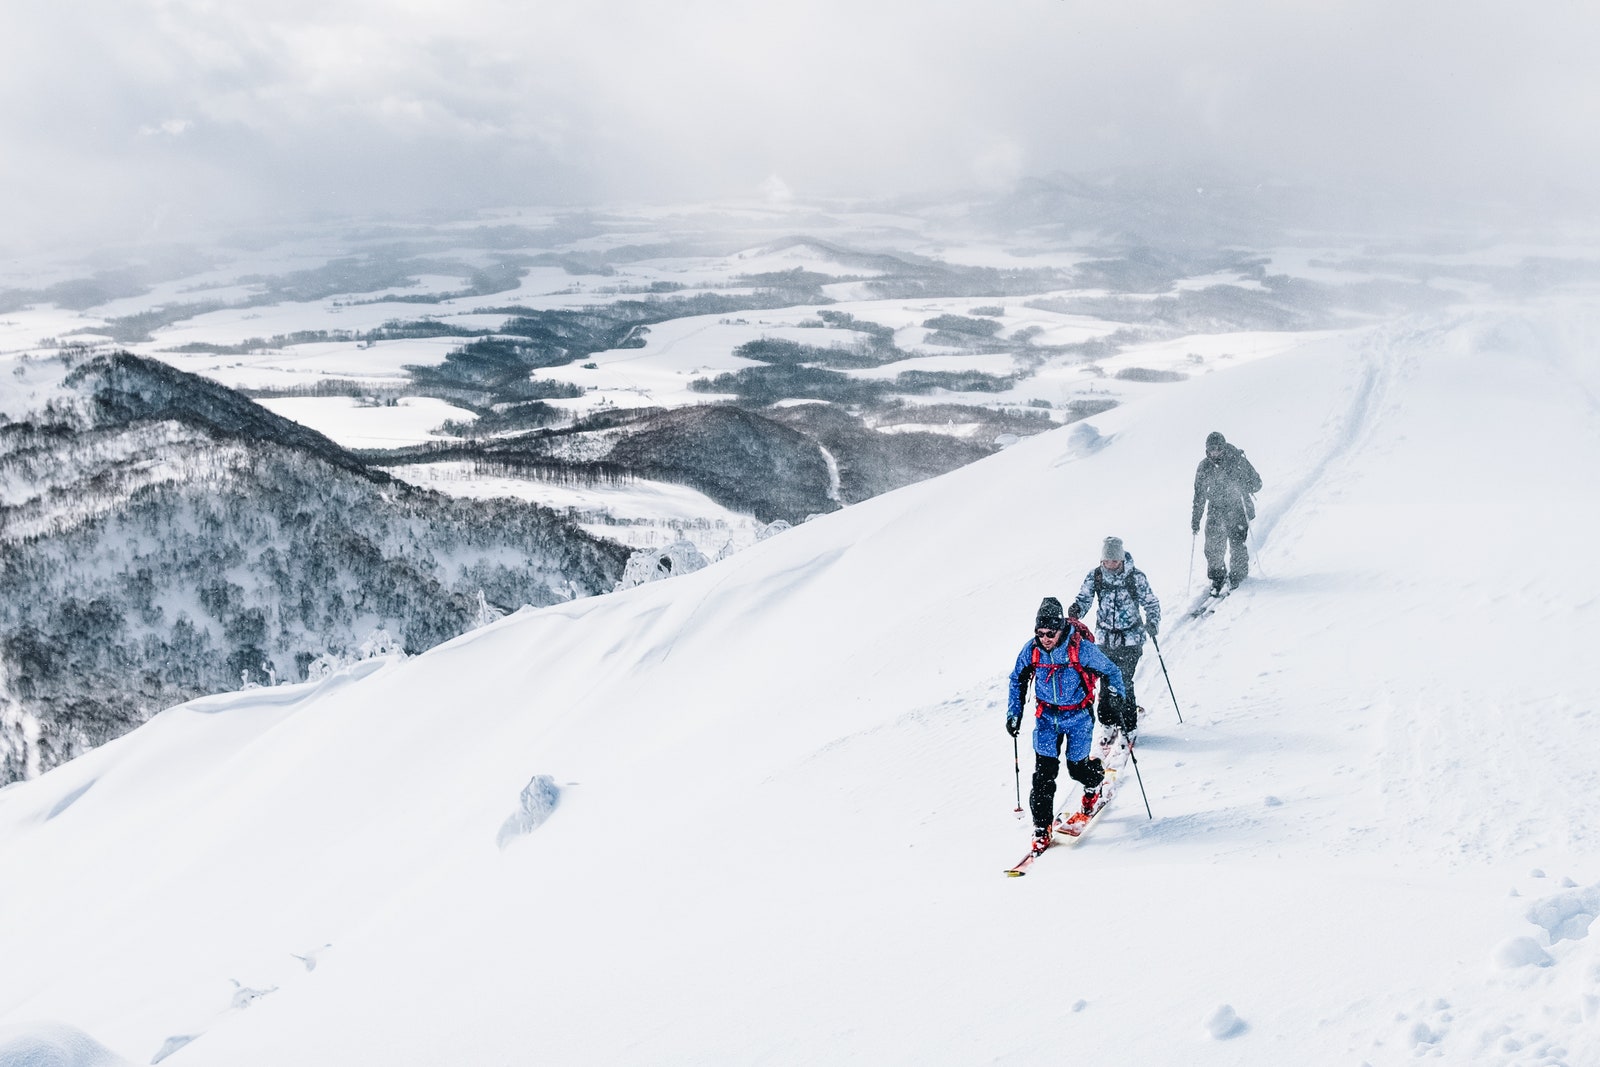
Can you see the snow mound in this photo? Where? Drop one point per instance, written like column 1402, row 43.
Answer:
column 54, row 1045
column 1084, row 439
column 1567, row 916
column 1223, row 1023
column 653, row 564
column 171, row 1045
column 1521, row 952
column 537, row 803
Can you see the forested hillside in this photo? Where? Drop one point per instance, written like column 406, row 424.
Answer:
column 164, row 537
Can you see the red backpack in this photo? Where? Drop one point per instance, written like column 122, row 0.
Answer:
column 1080, row 632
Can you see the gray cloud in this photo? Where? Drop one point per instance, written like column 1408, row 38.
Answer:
column 146, row 117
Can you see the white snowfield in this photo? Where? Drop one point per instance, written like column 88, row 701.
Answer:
column 759, row 813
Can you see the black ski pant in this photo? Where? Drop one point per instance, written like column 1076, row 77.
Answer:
column 1042, row 794
column 1122, row 712
column 1227, row 556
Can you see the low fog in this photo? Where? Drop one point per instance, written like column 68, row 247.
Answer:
column 152, row 119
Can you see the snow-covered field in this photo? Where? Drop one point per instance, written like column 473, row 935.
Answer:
column 357, row 425
column 640, row 514
column 759, row 813
column 244, row 296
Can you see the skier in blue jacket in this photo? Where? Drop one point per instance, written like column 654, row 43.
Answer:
column 1059, row 662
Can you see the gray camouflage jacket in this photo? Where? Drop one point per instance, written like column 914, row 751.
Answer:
column 1122, row 594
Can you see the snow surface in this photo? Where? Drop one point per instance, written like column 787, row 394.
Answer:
column 758, row 813
column 349, row 422
column 53, row 1045
column 640, row 514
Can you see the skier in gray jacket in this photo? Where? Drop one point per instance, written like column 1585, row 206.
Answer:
column 1224, row 484
column 1122, row 590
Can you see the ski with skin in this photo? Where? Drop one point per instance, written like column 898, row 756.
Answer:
column 1077, row 824
column 1027, row 861
column 1208, row 603
column 1067, row 829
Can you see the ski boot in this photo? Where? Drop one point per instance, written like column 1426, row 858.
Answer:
column 1091, row 801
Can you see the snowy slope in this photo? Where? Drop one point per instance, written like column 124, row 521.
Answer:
column 781, row 790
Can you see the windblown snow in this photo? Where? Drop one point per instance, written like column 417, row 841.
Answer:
column 786, row 799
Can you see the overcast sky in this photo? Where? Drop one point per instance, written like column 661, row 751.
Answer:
column 149, row 116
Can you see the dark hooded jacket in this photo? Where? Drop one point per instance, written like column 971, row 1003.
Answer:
column 1226, row 484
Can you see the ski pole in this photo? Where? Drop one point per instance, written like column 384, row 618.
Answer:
column 1162, row 660
column 1255, row 554
column 1016, row 764
column 1140, row 779
column 1188, row 583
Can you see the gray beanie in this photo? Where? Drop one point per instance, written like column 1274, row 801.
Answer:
column 1112, row 549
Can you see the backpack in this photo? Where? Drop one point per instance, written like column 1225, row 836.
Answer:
column 1249, row 483
column 1128, row 571
column 1080, row 633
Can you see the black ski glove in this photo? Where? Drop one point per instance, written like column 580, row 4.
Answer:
column 1151, row 628
column 1073, row 611
column 1013, row 724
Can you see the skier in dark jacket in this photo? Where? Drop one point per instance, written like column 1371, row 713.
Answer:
column 1223, row 486
column 1122, row 590
column 1058, row 660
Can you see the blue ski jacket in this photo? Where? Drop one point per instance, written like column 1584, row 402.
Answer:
column 1054, row 680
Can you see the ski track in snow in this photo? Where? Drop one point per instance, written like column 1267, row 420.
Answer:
column 1357, row 418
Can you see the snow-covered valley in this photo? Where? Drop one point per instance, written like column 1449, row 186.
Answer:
column 365, row 331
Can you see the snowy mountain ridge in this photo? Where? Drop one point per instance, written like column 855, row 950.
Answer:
column 767, row 803
column 164, row 537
